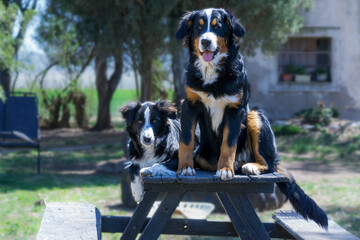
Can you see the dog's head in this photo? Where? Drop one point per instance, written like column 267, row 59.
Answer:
column 209, row 33
column 147, row 122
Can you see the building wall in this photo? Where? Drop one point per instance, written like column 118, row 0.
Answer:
column 339, row 20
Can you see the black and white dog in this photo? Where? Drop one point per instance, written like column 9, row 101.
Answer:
column 154, row 141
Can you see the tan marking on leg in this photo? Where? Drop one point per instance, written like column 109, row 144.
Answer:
column 191, row 96
column 186, row 153
column 227, row 153
column 253, row 132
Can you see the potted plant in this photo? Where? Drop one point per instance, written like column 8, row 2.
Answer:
column 301, row 76
column 287, row 76
column 321, row 74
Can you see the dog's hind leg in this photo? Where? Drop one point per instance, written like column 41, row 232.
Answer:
column 262, row 142
column 186, row 146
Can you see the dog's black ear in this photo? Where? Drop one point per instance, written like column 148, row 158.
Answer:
column 234, row 25
column 168, row 108
column 128, row 111
column 185, row 24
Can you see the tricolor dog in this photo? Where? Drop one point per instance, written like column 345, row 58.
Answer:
column 217, row 99
column 154, row 141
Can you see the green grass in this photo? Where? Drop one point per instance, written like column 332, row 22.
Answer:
column 22, row 192
column 322, row 147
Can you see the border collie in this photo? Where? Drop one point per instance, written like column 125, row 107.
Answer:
column 154, row 141
column 217, row 97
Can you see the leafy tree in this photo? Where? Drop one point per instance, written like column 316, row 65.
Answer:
column 58, row 36
column 15, row 16
column 99, row 24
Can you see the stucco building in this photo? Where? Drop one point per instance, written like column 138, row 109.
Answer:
column 326, row 53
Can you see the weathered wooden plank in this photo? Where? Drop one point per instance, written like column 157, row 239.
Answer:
column 139, row 216
column 248, row 215
column 210, row 187
column 70, row 221
column 300, row 228
column 157, row 223
column 116, row 224
column 209, row 177
column 247, row 228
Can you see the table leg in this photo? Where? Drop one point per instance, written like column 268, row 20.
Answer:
column 162, row 215
column 139, row 216
column 243, row 216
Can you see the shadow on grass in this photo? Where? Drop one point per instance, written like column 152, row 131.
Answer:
column 31, row 182
column 60, row 169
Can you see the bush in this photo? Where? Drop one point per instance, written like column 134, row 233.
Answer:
column 286, row 130
column 320, row 115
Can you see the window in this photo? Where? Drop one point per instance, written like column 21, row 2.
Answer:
column 305, row 60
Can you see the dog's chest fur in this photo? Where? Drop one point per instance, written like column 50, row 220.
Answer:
column 216, row 106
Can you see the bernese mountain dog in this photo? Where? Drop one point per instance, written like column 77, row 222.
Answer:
column 217, row 99
column 154, row 141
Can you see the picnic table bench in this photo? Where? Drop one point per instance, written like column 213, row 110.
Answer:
column 84, row 221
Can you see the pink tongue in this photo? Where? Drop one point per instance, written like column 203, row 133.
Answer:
column 207, row 56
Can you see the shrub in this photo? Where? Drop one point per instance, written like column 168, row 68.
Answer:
column 286, row 130
column 320, row 115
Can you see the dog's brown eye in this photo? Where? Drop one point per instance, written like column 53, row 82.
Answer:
column 140, row 121
column 154, row 121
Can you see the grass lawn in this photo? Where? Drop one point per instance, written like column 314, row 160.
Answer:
column 23, row 193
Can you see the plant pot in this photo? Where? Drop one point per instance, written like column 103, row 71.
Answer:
column 302, row 78
column 321, row 77
column 286, row 77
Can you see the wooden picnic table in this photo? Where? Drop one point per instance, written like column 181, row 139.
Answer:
column 232, row 195
column 84, row 221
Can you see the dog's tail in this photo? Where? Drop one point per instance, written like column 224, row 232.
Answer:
column 302, row 203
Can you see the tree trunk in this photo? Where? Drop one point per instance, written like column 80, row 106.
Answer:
column 5, row 79
column 146, row 79
column 179, row 65
column 105, row 89
column 79, row 100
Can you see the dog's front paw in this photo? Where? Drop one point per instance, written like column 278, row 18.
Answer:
column 156, row 170
column 225, row 174
column 186, row 171
column 146, row 172
column 250, row 169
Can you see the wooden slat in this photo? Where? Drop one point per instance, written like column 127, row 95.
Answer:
column 209, row 177
column 70, row 221
column 164, row 212
column 139, row 216
column 246, row 223
column 210, row 187
column 116, row 224
column 302, row 229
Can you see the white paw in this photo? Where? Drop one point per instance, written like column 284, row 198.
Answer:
column 156, row 170
column 250, row 169
column 187, row 171
column 225, row 174
column 145, row 172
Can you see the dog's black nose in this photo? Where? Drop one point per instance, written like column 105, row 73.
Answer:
column 206, row 43
column 146, row 139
